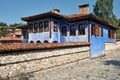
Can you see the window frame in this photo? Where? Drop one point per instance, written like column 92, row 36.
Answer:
column 81, row 28
column 95, row 29
column 46, row 26
column 73, row 30
column 55, row 27
column 64, row 31
column 111, row 33
column 41, row 28
column 31, row 28
column 35, row 27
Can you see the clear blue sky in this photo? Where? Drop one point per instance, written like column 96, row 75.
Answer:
column 11, row 11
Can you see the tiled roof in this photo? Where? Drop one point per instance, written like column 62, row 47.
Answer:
column 10, row 38
column 43, row 15
column 18, row 33
column 28, row 47
column 69, row 18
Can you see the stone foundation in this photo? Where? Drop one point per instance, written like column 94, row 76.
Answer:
column 17, row 63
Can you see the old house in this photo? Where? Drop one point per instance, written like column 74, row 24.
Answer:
column 52, row 27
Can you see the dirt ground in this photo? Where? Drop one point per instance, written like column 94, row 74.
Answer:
column 102, row 68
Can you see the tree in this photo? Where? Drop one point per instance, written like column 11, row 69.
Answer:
column 16, row 24
column 3, row 29
column 3, row 32
column 104, row 9
column 118, row 22
column 3, row 24
column 114, row 20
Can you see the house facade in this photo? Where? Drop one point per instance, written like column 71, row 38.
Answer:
column 52, row 27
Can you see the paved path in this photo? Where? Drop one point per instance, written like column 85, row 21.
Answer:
column 103, row 68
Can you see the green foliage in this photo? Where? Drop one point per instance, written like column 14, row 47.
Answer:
column 104, row 9
column 3, row 24
column 3, row 32
column 16, row 24
column 119, row 22
column 118, row 34
column 114, row 20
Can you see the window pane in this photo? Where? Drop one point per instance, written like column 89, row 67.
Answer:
column 72, row 30
column 31, row 28
column 55, row 28
column 81, row 29
column 40, row 27
column 46, row 26
column 64, row 31
column 35, row 27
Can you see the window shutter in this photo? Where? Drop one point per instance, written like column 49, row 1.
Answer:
column 111, row 34
column 96, row 30
column 93, row 29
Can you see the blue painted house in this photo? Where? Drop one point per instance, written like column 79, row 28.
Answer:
column 52, row 27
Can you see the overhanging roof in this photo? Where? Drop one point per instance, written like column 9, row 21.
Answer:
column 69, row 18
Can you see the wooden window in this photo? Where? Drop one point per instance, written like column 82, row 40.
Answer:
column 46, row 26
column 35, row 27
column 64, row 31
column 55, row 28
column 81, row 29
column 95, row 30
column 31, row 28
column 40, row 27
column 102, row 32
column 72, row 30
column 111, row 34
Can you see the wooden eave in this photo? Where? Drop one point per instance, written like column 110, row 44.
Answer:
column 41, row 16
column 91, row 17
column 71, row 18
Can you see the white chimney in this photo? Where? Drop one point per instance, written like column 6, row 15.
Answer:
column 57, row 11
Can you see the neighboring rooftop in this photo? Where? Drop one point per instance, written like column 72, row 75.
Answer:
column 9, row 38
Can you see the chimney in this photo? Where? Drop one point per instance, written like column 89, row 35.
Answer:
column 57, row 11
column 84, row 9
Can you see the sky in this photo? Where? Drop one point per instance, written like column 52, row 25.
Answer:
column 11, row 11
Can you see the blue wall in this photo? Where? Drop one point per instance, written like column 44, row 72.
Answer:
column 56, row 36
column 97, row 46
column 77, row 38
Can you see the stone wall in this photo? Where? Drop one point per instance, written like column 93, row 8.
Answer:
column 25, row 62
column 111, row 47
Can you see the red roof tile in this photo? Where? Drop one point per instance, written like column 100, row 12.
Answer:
column 10, row 38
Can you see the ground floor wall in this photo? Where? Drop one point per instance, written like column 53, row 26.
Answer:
column 21, row 63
